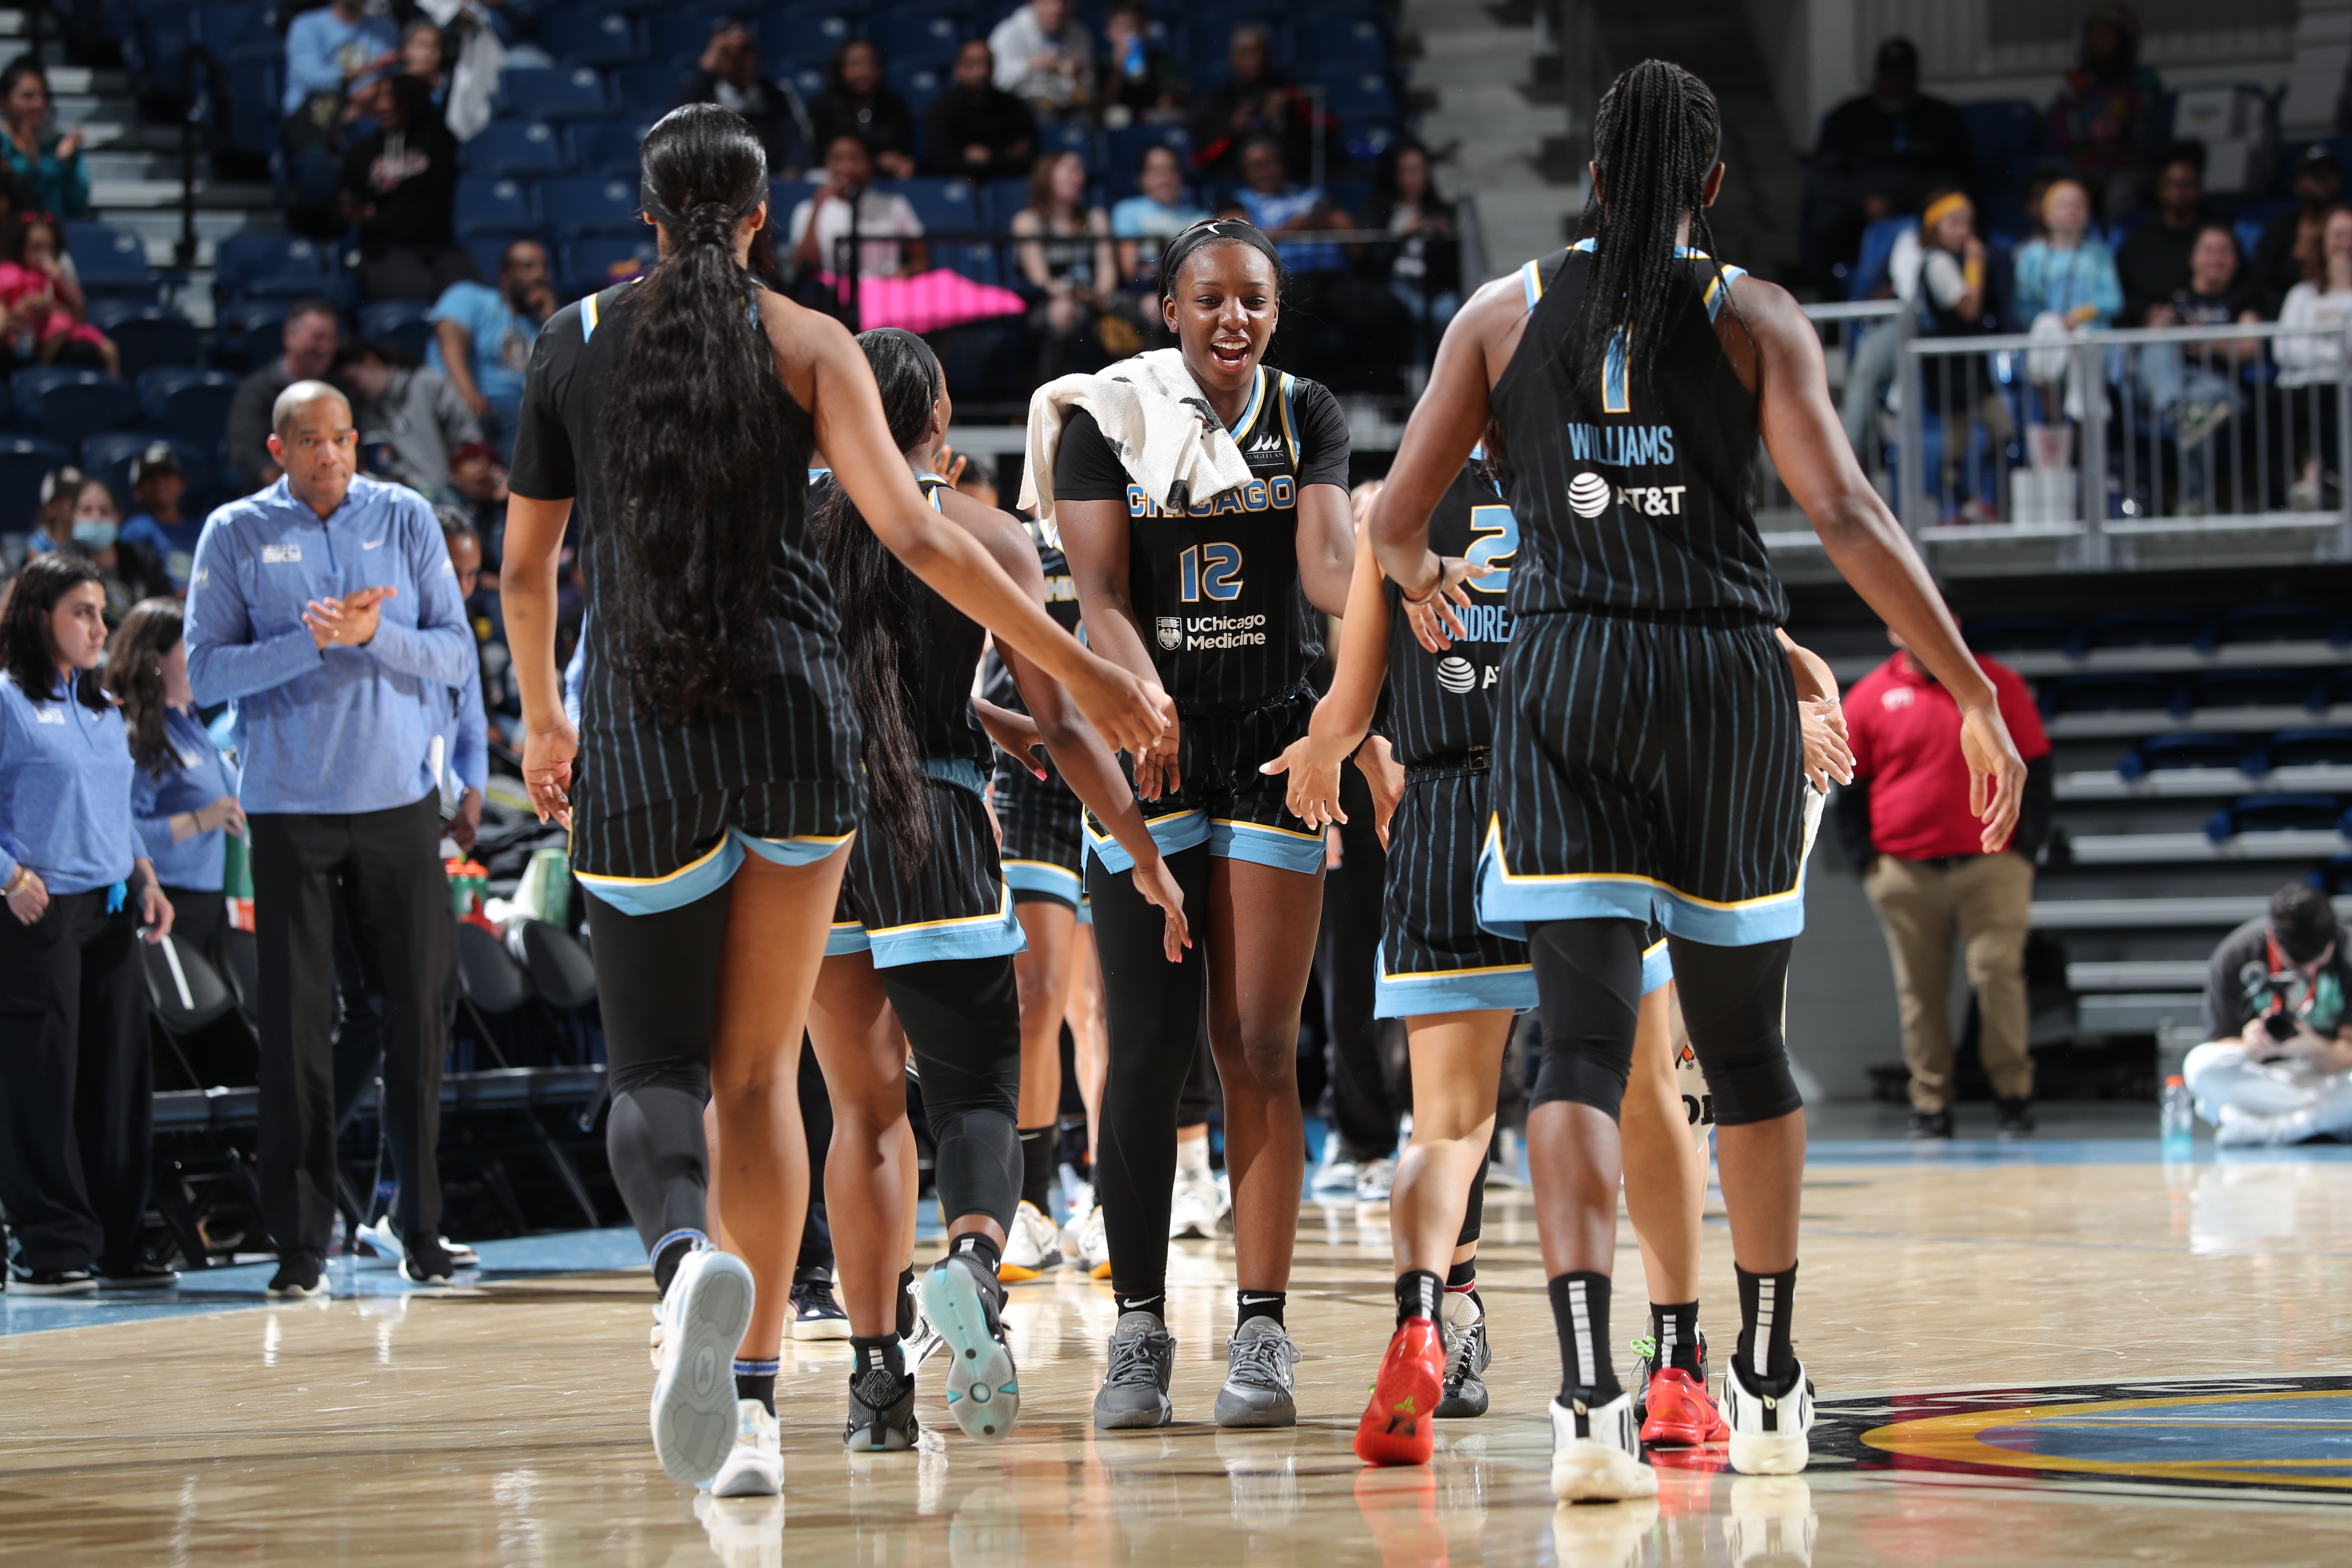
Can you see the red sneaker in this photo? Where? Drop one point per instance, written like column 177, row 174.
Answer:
column 1396, row 1427
column 1681, row 1413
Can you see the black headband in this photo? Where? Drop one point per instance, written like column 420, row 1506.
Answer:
column 1235, row 230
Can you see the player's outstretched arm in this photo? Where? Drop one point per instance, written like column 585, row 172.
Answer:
column 1345, row 712
column 1445, row 424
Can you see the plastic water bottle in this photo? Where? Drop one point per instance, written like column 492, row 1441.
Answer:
column 2176, row 1121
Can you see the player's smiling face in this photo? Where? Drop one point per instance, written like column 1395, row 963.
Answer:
column 1224, row 310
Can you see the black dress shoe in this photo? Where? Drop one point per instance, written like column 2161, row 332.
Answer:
column 1931, row 1124
column 145, row 1275
column 2016, row 1117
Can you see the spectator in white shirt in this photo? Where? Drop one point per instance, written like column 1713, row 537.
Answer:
column 2311, row 366
column 1044, row 56
column 822, row 222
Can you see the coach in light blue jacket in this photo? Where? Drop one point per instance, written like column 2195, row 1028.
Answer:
column 325, row 607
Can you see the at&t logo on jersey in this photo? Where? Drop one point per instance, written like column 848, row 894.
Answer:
column 1171, row 632
column 1589, row 494
column 1456, row 674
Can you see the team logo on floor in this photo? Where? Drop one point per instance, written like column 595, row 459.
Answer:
column 2270, row 1433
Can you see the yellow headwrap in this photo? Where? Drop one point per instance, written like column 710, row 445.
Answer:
column 1943, row 207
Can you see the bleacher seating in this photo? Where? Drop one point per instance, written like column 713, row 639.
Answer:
column 494, row 205
column 280, row 266
column 25, row 462
column 517, row 149
column 406, row 324
column 147, row 336
column 574, row 206
column 591, row 38
column 190, row 404
column 575, row 92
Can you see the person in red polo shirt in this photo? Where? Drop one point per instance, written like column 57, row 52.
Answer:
column 1905, row 820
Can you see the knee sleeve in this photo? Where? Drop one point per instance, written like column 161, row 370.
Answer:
column 1473, row 1218
column 1733, row 1002
column 1588, row 998
column 654, row 1140
column 962, row 1020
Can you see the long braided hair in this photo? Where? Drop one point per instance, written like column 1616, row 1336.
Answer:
column 694, row 474
column 1656, row 137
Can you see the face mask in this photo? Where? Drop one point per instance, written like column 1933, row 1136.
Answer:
column 94, row 533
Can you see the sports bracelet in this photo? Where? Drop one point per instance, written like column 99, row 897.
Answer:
column 1435, row 588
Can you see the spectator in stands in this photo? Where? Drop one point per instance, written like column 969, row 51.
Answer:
column 2291, row 244
column 158, row 485
column 332, row 671
column 1069, row 259
column 2153, row 261
column 1144, row 224
column 2276, row 1065
column 480, row 481
column 311, row 330
column 410, row 418
column 856, row 102
column 1879, row 155
column 2195, row 388
column 330, row 49
column 1138, row 82
column 400, row 185
column 975, row 128
column 2311, row 366
column 1044, row 56
column 1424, row 267
column 2105, row 118
column 2065, row 282
column 425, row 54
column 822, row 222
column 44, row 307
column 1905, row 820
column 1281, row 209
column 1347, row 327
column 47, row 165
column 482, row 336
column 728, row 73
column 76, row 1100
column 183, row 793
column 130, row 572
column 1254, row 100
column 1953, row 297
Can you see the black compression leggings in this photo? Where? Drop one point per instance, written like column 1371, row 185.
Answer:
column 962, row 1021
column 1589, row 986
column 1156, row 1011
column 657, row 987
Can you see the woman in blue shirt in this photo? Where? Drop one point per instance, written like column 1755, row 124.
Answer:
column 183, row 791
column 46, row 164
column 75, row 1093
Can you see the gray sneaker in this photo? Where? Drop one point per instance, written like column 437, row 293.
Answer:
column 1258, row 1360
column 1135, row 1391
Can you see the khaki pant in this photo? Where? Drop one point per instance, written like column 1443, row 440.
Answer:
column 1987, row 900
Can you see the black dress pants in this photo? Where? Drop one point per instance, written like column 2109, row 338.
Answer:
column 77, row 1101
column 389, row 865
column 1356, row 1101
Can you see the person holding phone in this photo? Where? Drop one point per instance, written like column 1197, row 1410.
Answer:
column 2276, row 1065
column 76, row 1097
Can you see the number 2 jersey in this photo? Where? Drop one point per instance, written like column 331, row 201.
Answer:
column 1439, row 705
column 1215, row 589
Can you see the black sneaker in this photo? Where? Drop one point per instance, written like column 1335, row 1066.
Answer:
column 1925, row 1124
column 145, row 1275
column 299, row 1278
column 881, row 1413
column 815, row 1314
column 2016, row 1117
column 24, row 1281
column 426, row 1262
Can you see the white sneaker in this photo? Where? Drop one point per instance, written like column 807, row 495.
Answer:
column 704, row 1314
column 1772, row 1520
column 1336, row 1176
column 1031, row 1247
column 1612, row 1537
column 923, row 1339
column 1374, row 1178
column 1768, row 1434
column 755, row 1465
column 382, row 1243
column 1192, row 1210
column 1094, row 1246
column 743, row 1532
column 1596, row 1455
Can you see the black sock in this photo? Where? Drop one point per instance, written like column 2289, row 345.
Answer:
column 669, row 1253
column 906, row 1300
column 1675, row 1328
column 1248, row 1304
column 756, row 1380
column 1156, row 1304
column 1417, row 1293
column 1463, row 1275
column 1580, row 1311
column 975, row 1244
column 880, row 1354
column 1766, row 1302
column 1037, row 1167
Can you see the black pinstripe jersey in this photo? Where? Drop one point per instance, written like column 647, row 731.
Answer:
column 939, row 661
column 801, row 726
column 1439, row 705
column 1061, row 603
column 1216, row 589
column 1632, row 492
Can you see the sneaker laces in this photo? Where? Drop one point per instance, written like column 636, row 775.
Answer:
column 1262, row 1359
column 1135, row 1360
column 808, row 1299
column 1461, row 1351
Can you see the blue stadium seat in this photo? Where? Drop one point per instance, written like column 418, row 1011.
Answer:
column 609, row 148
column 257, row 81
column 807, row 79
column 2274, row 813
column 678, row 38
column 2149, row 628
column 2158, row 753
column 2106, row 693
column 2019, row 633
column 108, row 260
column 406, row 324
column 804, row 37
column 190, row 406
column 917, row 84
column 2251, row 688
column 2003, row 134
column 1877, row 247
column 591, row 39
column 2284, row 622
column 941, row 205
column 222, row 28
column 110, row 456
column 1123, row 149
column 1338, row 44
column 279, row 265
column 1323, row 12
column 147, row 336
column 600, row 261
column 573, row 94
column 493, row 205
column 516, row 149
column 649, row 89
column 1067, row 138
column 69, row 406
column 1000, row 199
column 25, row 462
column 576, row 206
column 918, row 39
column 249, row 332
column 1360, row 96
column 2302, row 748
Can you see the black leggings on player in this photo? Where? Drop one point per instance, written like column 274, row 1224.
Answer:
column 962, row 1021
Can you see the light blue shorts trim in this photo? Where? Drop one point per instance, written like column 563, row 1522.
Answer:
column 974, row 936
column 1657, row 966
column 1261, row 846
column 1178, row 831
column 1508, row 906
column 1044, row 876
column 700, row 878
column 1511, row 986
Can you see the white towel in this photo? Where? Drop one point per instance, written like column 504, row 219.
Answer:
column 1152, row 413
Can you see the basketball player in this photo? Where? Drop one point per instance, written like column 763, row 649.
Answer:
column 717, row 782
column 925, row 935
column 1648, row 758
column 1458, row 987
column 1217, row 606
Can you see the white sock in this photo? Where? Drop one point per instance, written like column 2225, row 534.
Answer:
column 1193, row 1160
